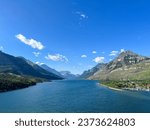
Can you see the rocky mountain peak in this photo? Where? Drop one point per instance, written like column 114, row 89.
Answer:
column 130, row 57
column 126, row 58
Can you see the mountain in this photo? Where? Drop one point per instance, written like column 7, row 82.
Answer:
column 92, row 71
column 44, row 66
column 126, row 58
column 68, row 75
column 21, row 66
column 128, row 65
column 63, row 74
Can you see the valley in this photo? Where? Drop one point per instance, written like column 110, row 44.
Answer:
column 127, row 71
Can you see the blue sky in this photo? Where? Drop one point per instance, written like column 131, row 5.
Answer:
column 74, row 35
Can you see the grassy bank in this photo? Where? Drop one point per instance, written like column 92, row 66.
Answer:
column 140, row 84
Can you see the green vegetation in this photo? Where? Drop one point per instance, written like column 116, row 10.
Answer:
column 140, row 71
column 137, row 84
column 12, row 82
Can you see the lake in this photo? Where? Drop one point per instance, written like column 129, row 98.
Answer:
column 74, row 96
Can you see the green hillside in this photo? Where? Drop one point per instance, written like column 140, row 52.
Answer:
column 140, row 71
column 11, row 81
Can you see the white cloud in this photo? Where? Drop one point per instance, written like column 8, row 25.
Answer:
column 36, row 54
column 31, row 42
column 82, row 15
column 94, row 52
column 39, row 63
column 122, row 50
column 56, row 57
column 99, row 59
column 84, row 56
column 113, row 53
column 1, row 48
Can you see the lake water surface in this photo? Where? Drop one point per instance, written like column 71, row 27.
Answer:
column 72, row 96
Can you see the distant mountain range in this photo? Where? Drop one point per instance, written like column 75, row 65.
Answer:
column 68, row 75
column 63, row 74
column 21, row 66
column 47, row 68
column 127, row 66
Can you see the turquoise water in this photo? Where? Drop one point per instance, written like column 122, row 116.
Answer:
column 73, row 96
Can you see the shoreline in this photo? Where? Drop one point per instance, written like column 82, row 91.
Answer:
column 137, row 89
column 131, row 89
column 116, row 89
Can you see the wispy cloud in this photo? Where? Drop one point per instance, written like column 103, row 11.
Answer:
column 31, row 42
column 113, row 53
column 36, row 54
column 84, row 56
column 99, row 59
column 39, row 63
column 94, row 52
column 56, row 57
column 122, row 50
column 82, row 15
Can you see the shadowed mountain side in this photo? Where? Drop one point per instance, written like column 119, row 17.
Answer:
column 92, row 71
column 21, row 66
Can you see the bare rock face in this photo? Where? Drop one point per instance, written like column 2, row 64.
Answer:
column 126, row 58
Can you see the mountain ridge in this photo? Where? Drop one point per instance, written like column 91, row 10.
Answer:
column 68, row 75
column 128, row 65
column 21, row 66
column 86, row 74
column 49, row 69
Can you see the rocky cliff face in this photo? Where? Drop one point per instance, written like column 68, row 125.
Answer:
column 126, row 58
